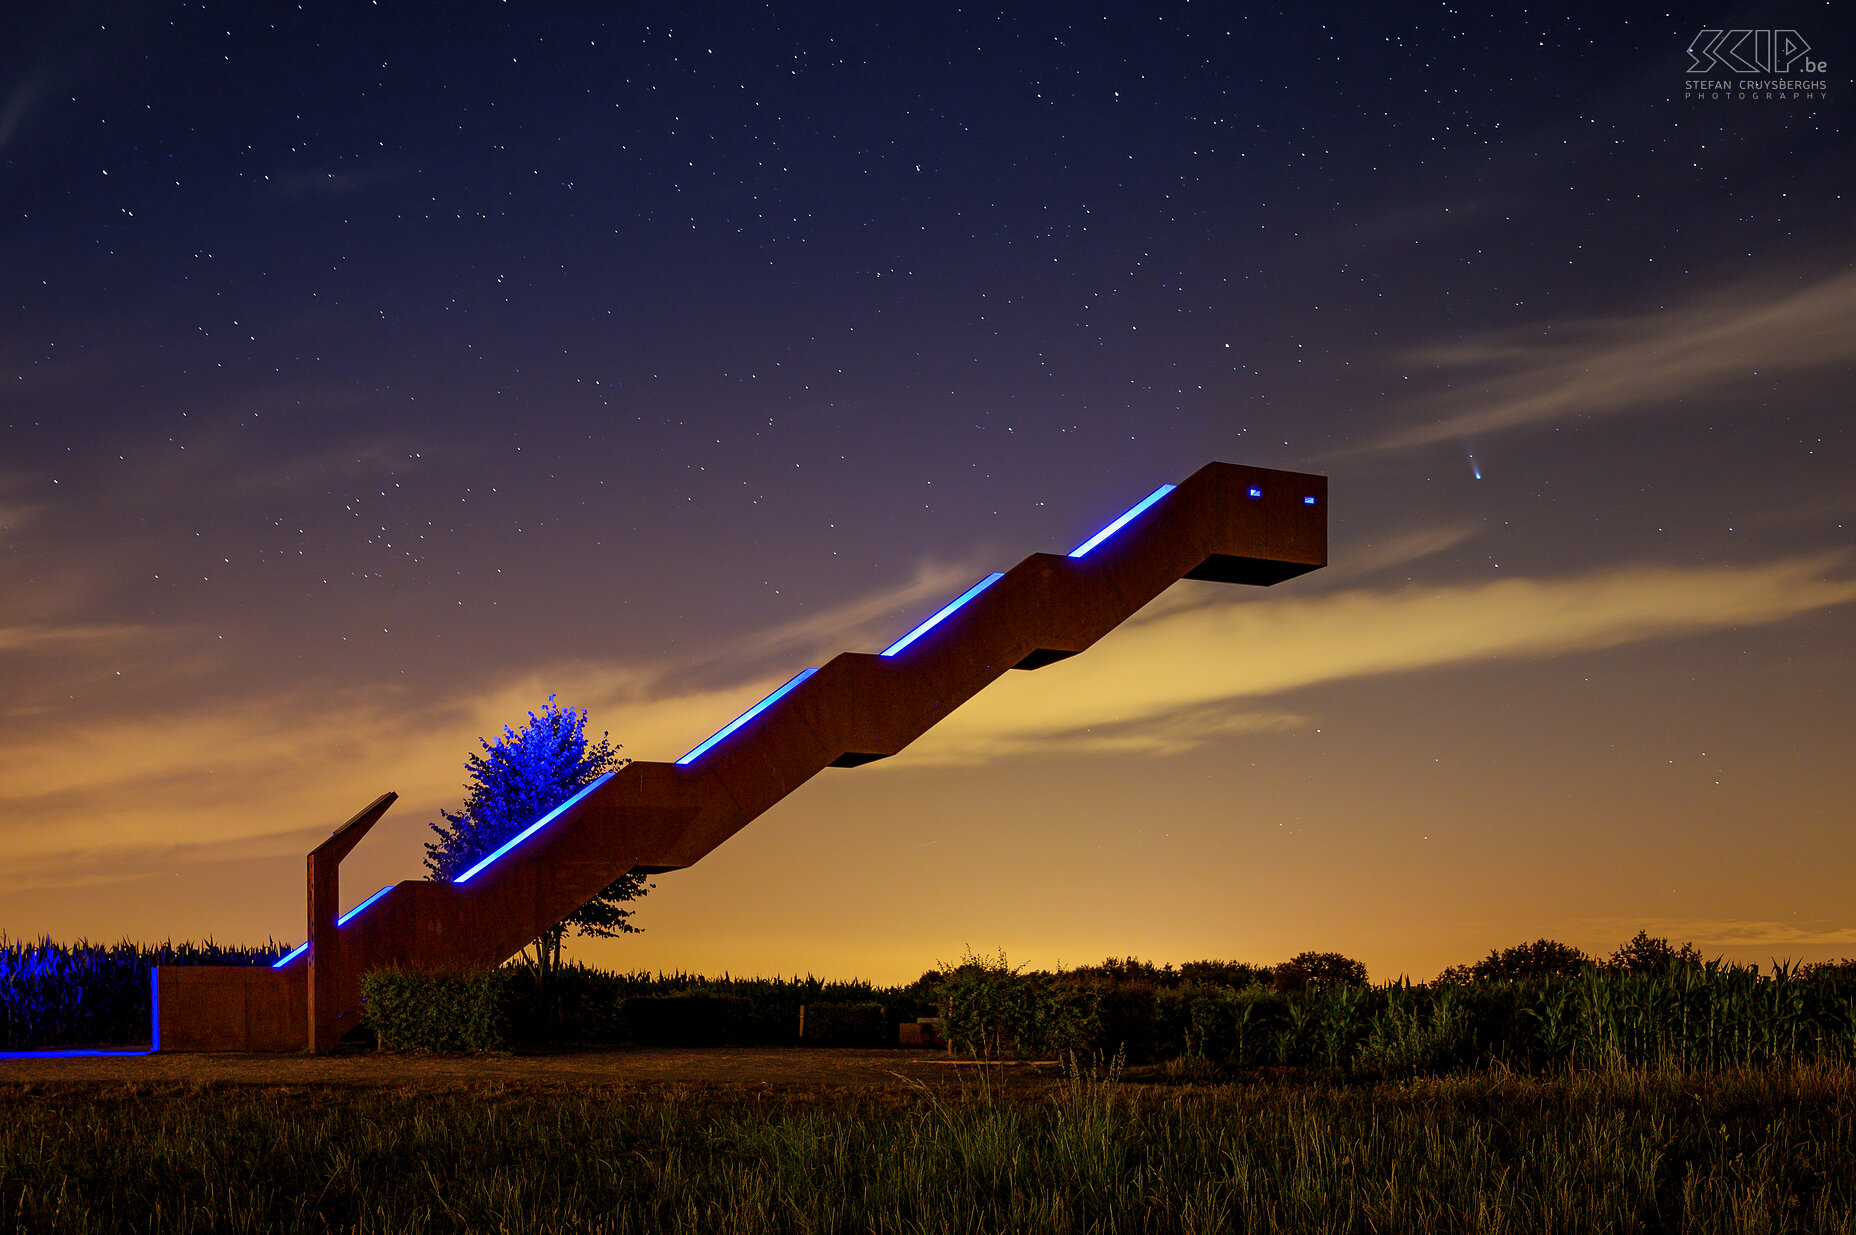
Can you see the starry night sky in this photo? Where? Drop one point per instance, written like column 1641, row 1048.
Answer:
column 374, row 371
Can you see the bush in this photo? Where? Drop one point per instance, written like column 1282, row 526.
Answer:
column 688, row 1018
column 439, row 1012
column 845, row 1024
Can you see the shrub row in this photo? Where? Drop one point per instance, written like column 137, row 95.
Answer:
column 1698, row 1015
column 590, row 1006
column 500, row 1009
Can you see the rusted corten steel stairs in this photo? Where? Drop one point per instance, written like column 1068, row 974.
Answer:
column 1226, row 523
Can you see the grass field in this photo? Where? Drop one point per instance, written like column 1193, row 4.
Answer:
column 1734, row 1150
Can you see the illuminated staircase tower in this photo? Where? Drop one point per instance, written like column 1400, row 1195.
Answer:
column 1225, row 523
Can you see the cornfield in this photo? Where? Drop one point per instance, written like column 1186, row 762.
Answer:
column 1705, row 1016
column 88, row 994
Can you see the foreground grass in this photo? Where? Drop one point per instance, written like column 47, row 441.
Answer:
column 1739, row 1151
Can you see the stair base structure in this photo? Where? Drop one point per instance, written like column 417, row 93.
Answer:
column 1225, row 523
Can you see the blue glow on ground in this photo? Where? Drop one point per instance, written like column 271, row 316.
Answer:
column 1122, row 522
column 75, row 1054
column 341, row 921
column 530, row 830
column 932, row 622
column 746, row 716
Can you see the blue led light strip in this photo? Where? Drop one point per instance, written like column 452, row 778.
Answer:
column 531, row 829
column 341, row 921
column 746, row 716
column 1122, row 522
column 74, row 1054
column 952, row 605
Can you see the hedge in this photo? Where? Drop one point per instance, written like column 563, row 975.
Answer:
column 845, row 1024
column 442, row 1012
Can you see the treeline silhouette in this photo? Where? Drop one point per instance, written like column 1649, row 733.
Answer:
column 1532, row 1005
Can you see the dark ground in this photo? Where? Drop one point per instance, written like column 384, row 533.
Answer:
column 719, row 1066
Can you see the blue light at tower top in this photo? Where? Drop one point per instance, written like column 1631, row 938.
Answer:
column 1122, row 522
column 744, row 718
column 532, row 828
column 952, row 605
column 341, row 921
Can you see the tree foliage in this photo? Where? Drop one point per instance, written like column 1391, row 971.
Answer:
column 1306, row 969
column 1548, row 958
column 1132, row 970
column 517, row 779
column 1645, row 953
column 1235, row 974
column 1543, row 958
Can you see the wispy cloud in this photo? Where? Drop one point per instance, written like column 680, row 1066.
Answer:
column 15, row 511
column 869, row 621
column 1653, row 360
column 231, row 781
column 256, row 778
column 1401, row 547
column 1707, row 933
column 22, row 638
column 1180, row 658
column 351, row 464
column 20, row 102
column 259, row 777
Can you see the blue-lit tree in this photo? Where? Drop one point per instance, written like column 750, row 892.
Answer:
column 518, row 778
